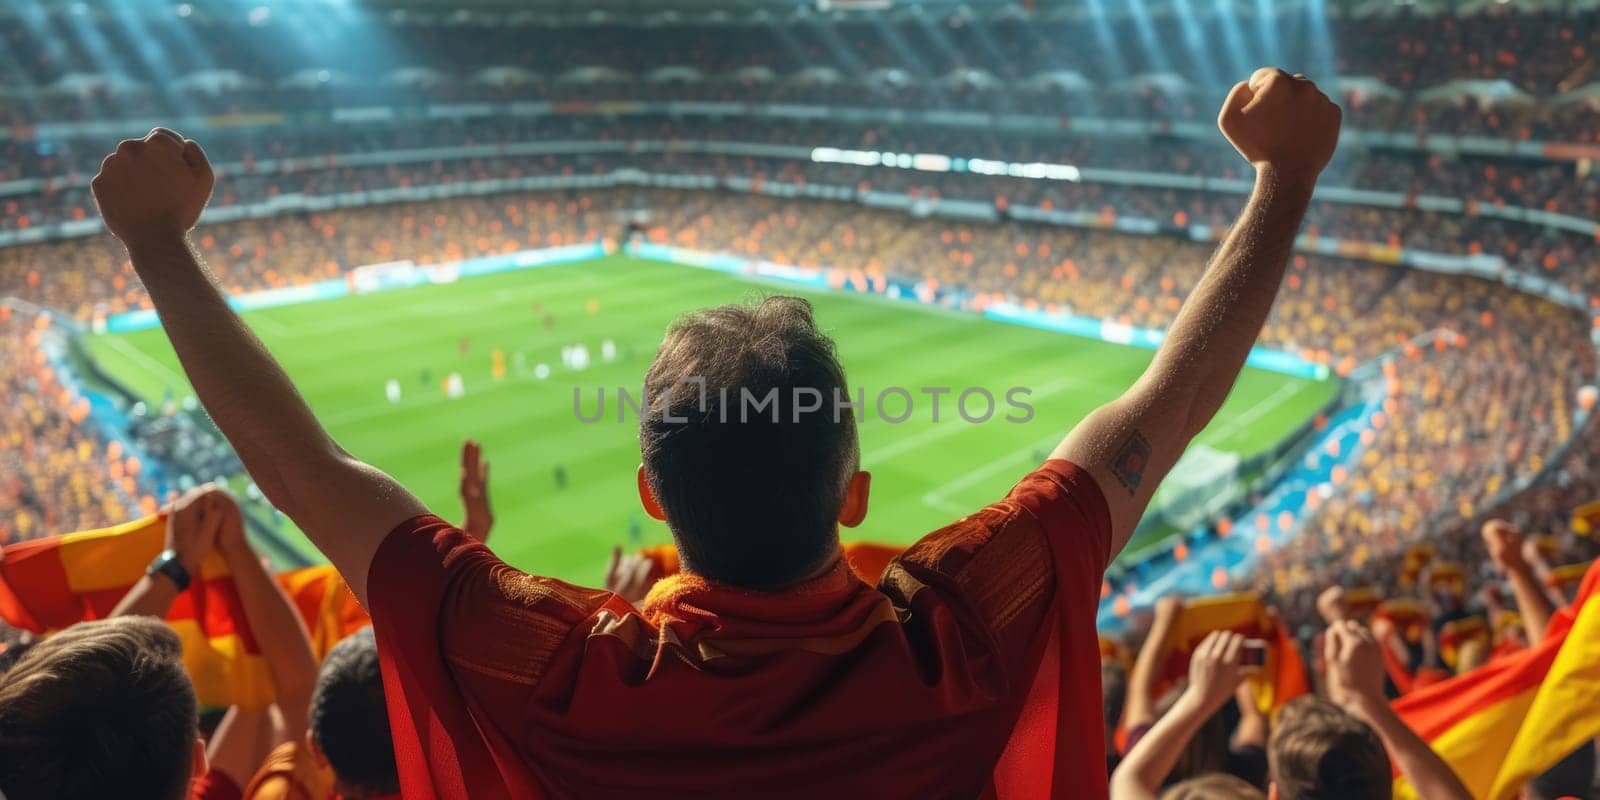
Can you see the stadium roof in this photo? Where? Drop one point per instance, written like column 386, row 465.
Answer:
column 975, row 7
column 669, row 12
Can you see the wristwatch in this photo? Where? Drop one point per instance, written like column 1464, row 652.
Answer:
column 168, row 564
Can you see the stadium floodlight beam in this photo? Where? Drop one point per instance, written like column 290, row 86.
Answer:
column 986, row 40
column 1324, row 66
column 149, row 52
column 1155, row 54
column 1240, row 58
column 1110, row 48
column 179, row 29
column 913, row 62
column 1267, row 32
column 38, row 25
column 1194, row 40
column 841, row 50
column 92, row 42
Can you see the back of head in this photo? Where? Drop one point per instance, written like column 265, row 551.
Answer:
column 101, row 709
column 1214, row 786
column 1317, row 751
column 349, row 720
column 744, row 445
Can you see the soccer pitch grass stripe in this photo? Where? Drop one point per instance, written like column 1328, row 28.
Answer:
column 341, row 353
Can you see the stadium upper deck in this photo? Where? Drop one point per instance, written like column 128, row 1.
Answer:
column 1517, row 71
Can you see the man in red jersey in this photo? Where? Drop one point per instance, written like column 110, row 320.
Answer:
column 766, row 669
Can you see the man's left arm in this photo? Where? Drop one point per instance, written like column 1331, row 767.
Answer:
column 150, row 193
column 1287, row 130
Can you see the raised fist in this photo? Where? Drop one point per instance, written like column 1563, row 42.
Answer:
column 1504, row 543
column 153, row 187
column 1282, row 122
column 1330, row 604
column 1355, row 665
column 195, row 521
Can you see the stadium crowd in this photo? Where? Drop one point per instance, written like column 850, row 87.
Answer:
column 58, row 475
column 1461, row 538
column 1463, row 419
column 308, row 166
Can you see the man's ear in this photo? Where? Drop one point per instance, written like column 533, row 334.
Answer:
column 647, row 498
column 854, row 509
column 197, row 760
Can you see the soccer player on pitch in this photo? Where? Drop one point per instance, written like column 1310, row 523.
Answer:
column 767, row 669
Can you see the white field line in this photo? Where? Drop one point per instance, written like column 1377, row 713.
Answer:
column 268, row 324
column 1256, row 411
column 431, row 396
column 175, row 380
column 938, row 498
column 953, row 424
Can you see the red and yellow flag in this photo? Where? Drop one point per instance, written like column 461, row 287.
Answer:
column 1283, row 676
column 1457, row 635
column 1448, row 575
column 1516, row 716
column 50, row 583
column 1407, row 615
column 1586, row 518
column 1567, row 575
column 1359, row 601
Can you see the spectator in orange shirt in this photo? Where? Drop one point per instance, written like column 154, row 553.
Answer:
column 346, row 753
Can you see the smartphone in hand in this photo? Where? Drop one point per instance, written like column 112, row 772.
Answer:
column 1255, row 652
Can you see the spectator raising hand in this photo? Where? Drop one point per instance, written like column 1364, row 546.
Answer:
column 475, row 491
column 1218, row 666
column 1355, row 681
column 1216, row 669
column 1504, row 543
column 152, row 190
column 207, row 519
column 628, row 574
column 194, row 522
column 1355, row 665
column 1512, row 553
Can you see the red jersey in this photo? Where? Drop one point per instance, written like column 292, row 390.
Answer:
column 971, row 670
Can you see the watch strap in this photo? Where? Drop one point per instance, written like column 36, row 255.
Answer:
column 168, row 564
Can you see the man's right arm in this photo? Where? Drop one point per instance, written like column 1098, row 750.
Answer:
column 150, row 193
column 1287, row 130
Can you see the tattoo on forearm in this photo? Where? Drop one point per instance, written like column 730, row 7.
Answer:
column 1131, row 460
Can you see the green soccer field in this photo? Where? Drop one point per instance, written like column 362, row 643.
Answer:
column 925, row 474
